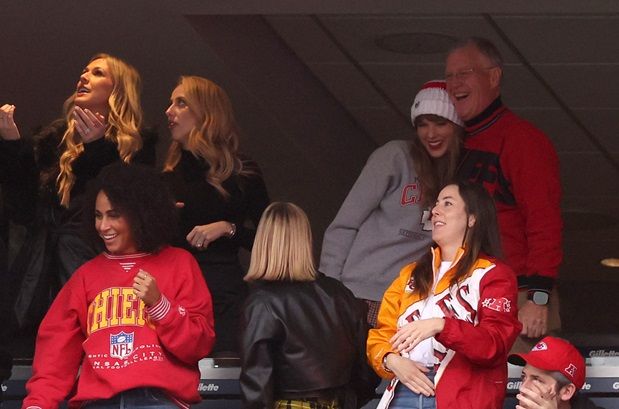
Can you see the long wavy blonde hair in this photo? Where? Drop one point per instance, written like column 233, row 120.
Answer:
column 216, row 138
column 123, row 122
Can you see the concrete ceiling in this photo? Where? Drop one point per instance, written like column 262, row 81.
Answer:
column 315, row 93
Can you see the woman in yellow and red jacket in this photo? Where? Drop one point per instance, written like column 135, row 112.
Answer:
column 447, row 323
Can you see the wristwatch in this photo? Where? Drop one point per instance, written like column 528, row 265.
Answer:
column 539, row 297
column 385, row 362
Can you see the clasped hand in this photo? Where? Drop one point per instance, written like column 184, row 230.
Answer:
column 145, row 288
column 201, row 236
column 411, row 334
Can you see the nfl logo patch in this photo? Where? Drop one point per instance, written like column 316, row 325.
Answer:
column 571, row 369
column 121, row 345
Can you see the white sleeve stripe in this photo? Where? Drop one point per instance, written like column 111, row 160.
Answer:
column 180, row 403
column 158, row 311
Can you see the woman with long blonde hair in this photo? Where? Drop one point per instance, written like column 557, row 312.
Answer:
column 105, row 105
column 102, row 120
column 217, row 192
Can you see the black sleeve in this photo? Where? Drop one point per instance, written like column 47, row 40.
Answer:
column 148, row 154
column 86, row 167
column 19, row 178
column 259, row 335
column 96, row 155
column 257, row 197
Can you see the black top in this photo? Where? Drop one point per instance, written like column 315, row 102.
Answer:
column 39, row 169
column 96, row 155
column 53, row 248
column 203, row 204
column 304, row 340
column 18, row 178
column 86, row 167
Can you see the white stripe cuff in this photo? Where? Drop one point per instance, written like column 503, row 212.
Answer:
column 158, row 311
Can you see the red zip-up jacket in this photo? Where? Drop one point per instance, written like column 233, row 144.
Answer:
column 519, row 167
column 481, row 324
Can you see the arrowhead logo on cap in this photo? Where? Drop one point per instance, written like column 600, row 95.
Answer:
column 541, row 346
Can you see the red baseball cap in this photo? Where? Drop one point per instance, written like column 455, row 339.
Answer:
column 556, row 355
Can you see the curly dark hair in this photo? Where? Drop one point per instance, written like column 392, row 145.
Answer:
column 138, row 194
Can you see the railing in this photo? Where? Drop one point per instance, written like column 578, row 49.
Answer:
column 219, row 385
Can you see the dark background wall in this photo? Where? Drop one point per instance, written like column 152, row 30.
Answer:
column 318, row 85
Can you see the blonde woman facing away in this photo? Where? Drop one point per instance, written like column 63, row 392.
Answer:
column 303, row 333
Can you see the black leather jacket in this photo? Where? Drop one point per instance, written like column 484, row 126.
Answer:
column 304, row 340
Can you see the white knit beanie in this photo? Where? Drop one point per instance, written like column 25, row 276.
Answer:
column 433, row 99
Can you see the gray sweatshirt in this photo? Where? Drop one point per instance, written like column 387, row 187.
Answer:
column 380, row 226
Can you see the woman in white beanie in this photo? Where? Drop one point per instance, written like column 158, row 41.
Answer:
column 383, row 223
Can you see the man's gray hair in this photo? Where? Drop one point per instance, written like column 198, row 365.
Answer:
column 485, row 46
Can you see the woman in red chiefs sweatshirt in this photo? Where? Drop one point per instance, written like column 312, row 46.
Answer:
column 135, row 320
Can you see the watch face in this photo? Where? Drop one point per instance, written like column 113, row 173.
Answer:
column 540, row 298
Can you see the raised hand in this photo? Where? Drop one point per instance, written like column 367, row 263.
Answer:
column 90, row 125
column 537, row 396
column 8, row 128
column 145, row 288
column 411, row 334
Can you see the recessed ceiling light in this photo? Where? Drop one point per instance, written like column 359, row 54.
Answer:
column 415, row 43
column 610, row 262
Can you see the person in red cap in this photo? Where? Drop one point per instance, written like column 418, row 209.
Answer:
column 553, row 373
